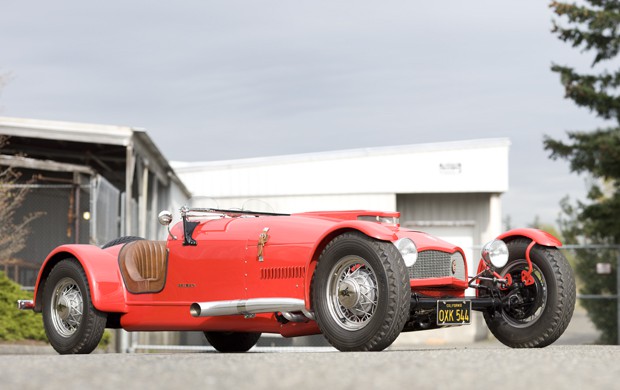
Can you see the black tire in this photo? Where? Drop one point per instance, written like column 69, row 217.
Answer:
column 360, row 293
column 540, row 312
column 121, row 240
column 72, row 324
column 232, row 341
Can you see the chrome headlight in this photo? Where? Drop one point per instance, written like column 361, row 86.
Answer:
column 495, row 253
column 408, row 250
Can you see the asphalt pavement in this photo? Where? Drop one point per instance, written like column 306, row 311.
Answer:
column 572, row 362
column 555, row 367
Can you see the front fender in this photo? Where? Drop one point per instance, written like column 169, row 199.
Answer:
column 107, row 290
column 371, row 229
column 539, row 236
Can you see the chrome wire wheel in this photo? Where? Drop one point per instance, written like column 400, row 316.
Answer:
column 360, row 293
column 67, row 307
column 353, row 292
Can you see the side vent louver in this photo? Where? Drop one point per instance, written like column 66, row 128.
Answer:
column 282, row 272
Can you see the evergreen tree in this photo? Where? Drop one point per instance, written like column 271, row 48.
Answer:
column 593, row 26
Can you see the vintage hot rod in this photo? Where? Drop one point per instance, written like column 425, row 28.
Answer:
column 357, row 277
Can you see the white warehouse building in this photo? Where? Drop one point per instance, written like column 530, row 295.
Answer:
column 451, row 189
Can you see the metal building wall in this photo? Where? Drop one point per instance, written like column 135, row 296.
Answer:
column 296, row 204
column 420, row 210
column 451, row 167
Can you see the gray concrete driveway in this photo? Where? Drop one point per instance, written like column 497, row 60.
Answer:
column 482, row 366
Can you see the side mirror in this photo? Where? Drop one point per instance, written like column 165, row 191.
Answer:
column 165, row 218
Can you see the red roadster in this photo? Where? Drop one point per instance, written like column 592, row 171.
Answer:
column 357, row 277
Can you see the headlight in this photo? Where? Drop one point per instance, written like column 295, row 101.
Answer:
column 408, row 250
column 495, row 253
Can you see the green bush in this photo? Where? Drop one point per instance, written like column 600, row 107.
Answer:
column 17, row 324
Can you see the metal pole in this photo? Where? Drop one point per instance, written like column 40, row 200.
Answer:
column 77, row 211
column 130, row 165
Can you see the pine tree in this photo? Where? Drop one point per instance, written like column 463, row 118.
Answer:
column 593, row 26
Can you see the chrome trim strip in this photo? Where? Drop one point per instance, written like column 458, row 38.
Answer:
column 246, row 307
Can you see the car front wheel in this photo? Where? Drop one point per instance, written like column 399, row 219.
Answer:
column 534, row 314
column 360, row 293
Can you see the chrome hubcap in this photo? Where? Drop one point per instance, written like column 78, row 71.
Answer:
column 67, row 307
column 353, row 292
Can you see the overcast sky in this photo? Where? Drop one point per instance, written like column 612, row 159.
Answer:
column 213, row 80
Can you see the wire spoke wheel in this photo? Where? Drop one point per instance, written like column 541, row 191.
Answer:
column 360, row 293
column 67, row 307
column 353, row 292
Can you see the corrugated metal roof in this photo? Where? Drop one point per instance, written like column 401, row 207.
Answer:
column 102, row 147
column 73, row 131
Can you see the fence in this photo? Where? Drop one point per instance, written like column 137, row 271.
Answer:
column 597, row 273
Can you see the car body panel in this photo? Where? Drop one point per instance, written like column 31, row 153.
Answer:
column 541, row 237
column 107, row 290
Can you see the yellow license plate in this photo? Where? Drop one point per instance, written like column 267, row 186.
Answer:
column 453, row 312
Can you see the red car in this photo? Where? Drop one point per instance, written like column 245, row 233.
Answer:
column 357, row 277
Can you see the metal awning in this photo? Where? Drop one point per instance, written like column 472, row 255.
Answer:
column 108, row 150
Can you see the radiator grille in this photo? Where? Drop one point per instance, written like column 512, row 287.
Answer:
column 437, row 264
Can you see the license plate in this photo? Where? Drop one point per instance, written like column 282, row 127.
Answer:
column 453, row 312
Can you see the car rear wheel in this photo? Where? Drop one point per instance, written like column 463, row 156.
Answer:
column 360, row 293
column 537, row 314
column 72, row 324
column 232, row 341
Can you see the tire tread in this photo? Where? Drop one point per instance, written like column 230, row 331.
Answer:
column 562, row 313
column 397, row 311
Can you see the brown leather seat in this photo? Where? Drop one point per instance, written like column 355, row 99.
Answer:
column 143, row 265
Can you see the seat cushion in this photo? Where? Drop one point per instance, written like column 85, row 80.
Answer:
column 143, row 265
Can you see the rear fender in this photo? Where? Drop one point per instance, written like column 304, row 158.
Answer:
column 371, row 229
column 107, row 290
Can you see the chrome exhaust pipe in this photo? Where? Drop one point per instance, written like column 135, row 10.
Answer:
column 25, row 304
column 246, row 307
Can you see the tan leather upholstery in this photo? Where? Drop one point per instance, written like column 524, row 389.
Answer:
column 143, row 265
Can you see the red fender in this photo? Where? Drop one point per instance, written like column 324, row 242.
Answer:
column 107, row 290
column 539, row 236
column 371, row 229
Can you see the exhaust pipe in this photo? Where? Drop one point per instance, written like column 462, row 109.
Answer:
column 25, row 304
column 247, row 307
